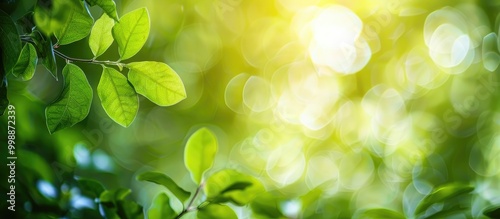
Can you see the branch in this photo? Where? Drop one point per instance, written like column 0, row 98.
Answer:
column 189, row 207
column 92, row 61
column 28, row 39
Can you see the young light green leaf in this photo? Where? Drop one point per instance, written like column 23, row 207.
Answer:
column 74, row 103
column 199, row 153
column 131, row 32
column 118, row 97
column 216, row 187
column 441, row 194
column 108, row 6
column 160, row 208
column 157, row 82
column 45, row 52
column 76, row 25
column 100, row 37
column 10, row 44
column 167, row 182
column 380, row 213
column 25, row 66
column 216, row 211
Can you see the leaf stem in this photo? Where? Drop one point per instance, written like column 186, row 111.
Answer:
column 28, row 39
column 92, row 61
column 189, row 207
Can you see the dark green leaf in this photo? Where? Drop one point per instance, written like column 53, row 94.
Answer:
column 129, row 209
column 114, row 205
column 380, row 213
column 160, row 209
column 100, row 37
column 45, row 52
column 492, row 212
column 199, row 153
column 266, row 205
column 157, row 82
column 118, row 97
column 25, row 66
column 87, row 213
column 74, row 103
column 167, row 182
column 109, row 211
column 108, row 6
column 131, row 32
column 216, row 211
column 441, row 194
column 455, row 210
column 76, row 25
column 26, row 22
column 38, row 166
column 236, row 186
column 4, row 101
column 49, row 18
column 218, row 187
column 90, row 188
column 10, row 43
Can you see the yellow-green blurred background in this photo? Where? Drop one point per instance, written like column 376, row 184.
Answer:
column 372, row 103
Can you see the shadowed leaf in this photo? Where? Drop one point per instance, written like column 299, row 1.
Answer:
column 74, row 103
column 167, row 182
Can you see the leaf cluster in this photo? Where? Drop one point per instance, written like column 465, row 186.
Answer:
column 219, row 189
column 64, row 22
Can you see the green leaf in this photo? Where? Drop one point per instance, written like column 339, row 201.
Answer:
column 4, row 101
column 114, row 204
column 160, row 209
column 118, row 97
column 108, row 6
column 76, row 26
column 167, row 182
column 74, row 103
column 199, row 153
column 236, row 186
column 441, row 194
column 492, row 212
column 90, row 188
column 216, row 211
column 45, row 52
column 100, row 37
column 114, row 195
column 25, row 66
column 10, row 43
column 37, row 168
column 380, row 213
column 50, row 16
column 217, row 187
column 447, row 211
column 157, row 82
column 267, row 205
column 131, row 32
column 130, row 210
